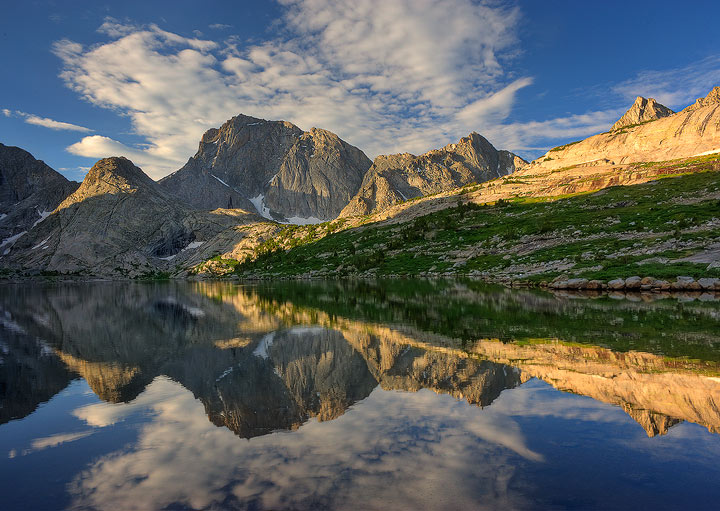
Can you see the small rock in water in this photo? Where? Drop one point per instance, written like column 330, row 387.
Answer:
column 662, row 285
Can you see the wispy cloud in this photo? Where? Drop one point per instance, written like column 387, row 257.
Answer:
column 677, row 87
column 535, row 137
column 53, row 124
column 219, row 26
column 386, row 76
column 43, row 443
column 407, row 75
column 44, row 121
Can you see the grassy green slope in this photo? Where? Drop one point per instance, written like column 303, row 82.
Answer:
column 646, row 230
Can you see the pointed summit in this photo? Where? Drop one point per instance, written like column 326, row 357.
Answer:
column 712, row 97
column 113, row 176
column 119, row 173
column 643, row 110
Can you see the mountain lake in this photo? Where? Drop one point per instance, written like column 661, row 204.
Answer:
column 356, row 394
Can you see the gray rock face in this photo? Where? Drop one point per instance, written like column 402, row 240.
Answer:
column 643, row 110
column 399, row 177
column 29, row 192
column 272, row 167
column 118, row 222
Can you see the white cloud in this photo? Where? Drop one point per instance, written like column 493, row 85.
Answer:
column 97, row 146
column 675, row 88
column 220, row 26
column 494, row 105
column 386, row 76
column 54, row 125
column 44, row 121
column 407, row 75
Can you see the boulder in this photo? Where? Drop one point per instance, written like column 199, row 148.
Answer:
column 634, row 282
column 688, row 284
column 577, row 283
column 681, row 283
column 708, row 283
column 647, row 281
column 662, row 285
column 616, row 284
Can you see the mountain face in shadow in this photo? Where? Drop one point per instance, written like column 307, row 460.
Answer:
column 29, row 191
column 118, row 222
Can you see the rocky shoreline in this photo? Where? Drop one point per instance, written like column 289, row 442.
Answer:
column 636, row 283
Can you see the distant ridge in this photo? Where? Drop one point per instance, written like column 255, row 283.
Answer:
column 118, row 222
column 713, row 97
column 398, row 177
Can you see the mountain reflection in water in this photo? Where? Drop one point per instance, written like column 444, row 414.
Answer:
column 271, row 357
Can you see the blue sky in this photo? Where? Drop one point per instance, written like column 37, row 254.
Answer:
column 85, row 80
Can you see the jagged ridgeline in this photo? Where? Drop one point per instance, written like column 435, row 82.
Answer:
column 231, row 202
column 399, row 177
column 120, row 222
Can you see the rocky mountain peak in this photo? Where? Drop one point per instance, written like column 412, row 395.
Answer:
column 272, row 167
column 643, row 110
column 116, row 174
column 113, row 176
column 398, row 177
column 321, row 135
column 209, row 136
column 712, row 97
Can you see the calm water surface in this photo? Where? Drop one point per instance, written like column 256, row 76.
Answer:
column 355, row 395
